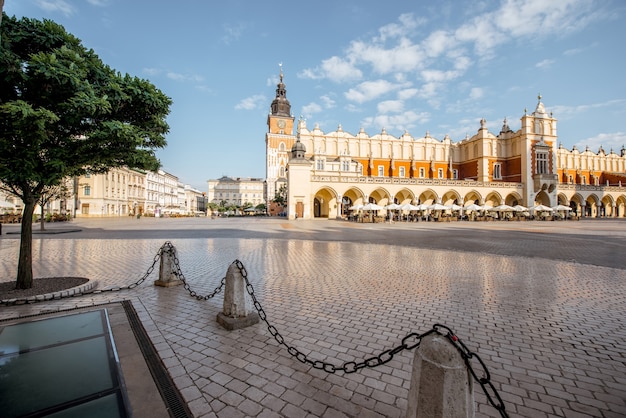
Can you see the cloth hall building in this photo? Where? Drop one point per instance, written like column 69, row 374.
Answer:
column 327, row 172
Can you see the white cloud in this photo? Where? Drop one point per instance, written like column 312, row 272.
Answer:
column 407, row 24
column 430, row 76
column 369, row 90
column 329, row 103
column 573, row 51
column 151, row 71
column 390, row 106
column 407, row 93
column 520, row 18
column 428, row 90
column 60, row 6
column 607, row 141
column 310, row 109
column 399, row 122
column 547, row 63
column 564, row 112
column 232, row 32
column 184, row 77
column 253, row 102
column 335, row 69
column 404, row 57
column 476, row 93
column 438, row 43
column 99, row 3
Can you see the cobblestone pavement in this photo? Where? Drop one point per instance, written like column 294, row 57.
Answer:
column 542, row 303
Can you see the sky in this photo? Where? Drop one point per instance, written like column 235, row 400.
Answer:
column 436, row 67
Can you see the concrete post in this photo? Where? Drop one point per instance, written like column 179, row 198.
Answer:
column 167, row 274
column 441, row 385
column 235, row 314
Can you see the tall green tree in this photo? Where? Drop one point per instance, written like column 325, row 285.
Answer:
column 63, row 113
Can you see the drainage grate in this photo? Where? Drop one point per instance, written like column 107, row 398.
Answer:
column 176, row 406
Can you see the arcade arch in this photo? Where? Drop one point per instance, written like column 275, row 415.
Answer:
column 620, row 206
column 379, row 196
column 592, row 204
column 451, row 197
column 325, row 200
column 493, row 199
column 606, row 206
column 428, row 197
column 403, row 196
column 542, row 198
column 473, row 197
column 513, row 199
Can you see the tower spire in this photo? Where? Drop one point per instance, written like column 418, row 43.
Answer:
column 280, row 104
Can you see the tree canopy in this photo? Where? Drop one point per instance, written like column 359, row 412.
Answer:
column 64, row 113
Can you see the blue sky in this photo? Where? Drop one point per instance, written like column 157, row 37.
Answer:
column 417, row 66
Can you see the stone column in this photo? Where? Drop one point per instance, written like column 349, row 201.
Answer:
column 235, row 314
column 167, row 268
column 441, row 385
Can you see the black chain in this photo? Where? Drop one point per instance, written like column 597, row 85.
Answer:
column 410, row 342
column 179, row 273
column 485, row 382
column 157, row 257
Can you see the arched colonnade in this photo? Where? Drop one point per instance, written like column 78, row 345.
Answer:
column 329, row 203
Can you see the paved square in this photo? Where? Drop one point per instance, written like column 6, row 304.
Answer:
column 542, row 303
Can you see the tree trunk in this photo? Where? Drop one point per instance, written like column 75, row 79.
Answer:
column 25, row 263
column 42, row 221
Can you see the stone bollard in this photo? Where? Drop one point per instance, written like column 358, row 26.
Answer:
column 235, row 314
column 167, row 274
column 441, row 385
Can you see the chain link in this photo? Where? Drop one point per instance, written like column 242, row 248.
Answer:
column 485, row 382
column 409, row 342
column 166, row 248
column 179, row 273
column 157, row 257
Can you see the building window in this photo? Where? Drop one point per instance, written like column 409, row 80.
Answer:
column 455, row 174
column 87, row 175
column 497, row 171
column 401, row 172
column 381, row 171
column 345, row 165
column 320, row 164
column 87, row 190
column 542, row 163
column 422, row 173
column 440, row 173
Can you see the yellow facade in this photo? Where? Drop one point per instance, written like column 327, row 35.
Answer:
column 525, row 167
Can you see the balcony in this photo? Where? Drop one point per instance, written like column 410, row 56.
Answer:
column 544, row 181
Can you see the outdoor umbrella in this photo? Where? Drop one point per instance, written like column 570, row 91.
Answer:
column 541, row 208
column 372, row 206
column 520, row 208
column 502, row 208
column 356, row 207
column 561, row 208
column 408, row 206
column 474, row 207
column 438, row 206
